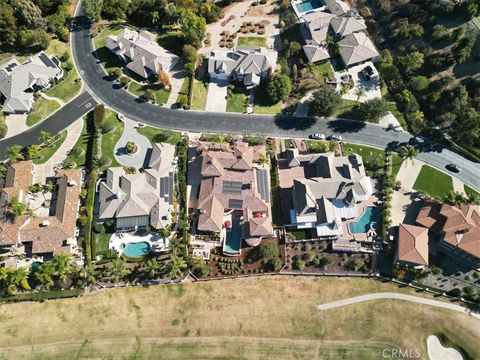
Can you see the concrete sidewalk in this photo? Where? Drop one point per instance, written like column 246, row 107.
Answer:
column 397, row 296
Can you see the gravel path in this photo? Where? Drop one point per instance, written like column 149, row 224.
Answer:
column 396, row 296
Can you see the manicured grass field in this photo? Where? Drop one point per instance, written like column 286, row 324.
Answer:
column 469, row 191
column 319, row 146
column 41, row 109
column 102, row 241
column 151, row 133
column 252, row 41
column 161, row 94
column 111, row 29
column 364, row 151
column 397, row 161
column 45, row 154
column 238, row 101
column 262, row 105
column 200, row 93
column 263, row 317
column 433, row 182
column 343, row 110
column 109, row 140
column 67, row 88
column 82, row 144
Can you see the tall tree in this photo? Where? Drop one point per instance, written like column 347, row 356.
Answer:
column 14, row 153
column 278, row 87
column 192, row 28
column 8, row 24
column 372, row 110
column 325, row 101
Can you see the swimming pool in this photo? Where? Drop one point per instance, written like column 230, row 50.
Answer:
column 309, row 5
column 371, row 215
column 136, row 250
column 233, row 241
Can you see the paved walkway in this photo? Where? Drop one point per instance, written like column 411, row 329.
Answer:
column 45, row 96
column 43, row 171
column 16, row 124
column 304, row 105
column 397, row 296
column 217, row 96
column 458, row 185
column 408, row 172
column 130, row 133
column 390, row 121
column 177, row 76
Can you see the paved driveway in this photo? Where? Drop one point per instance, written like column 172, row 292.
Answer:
column 138, row 159
column 217, row 96
column 371, row 87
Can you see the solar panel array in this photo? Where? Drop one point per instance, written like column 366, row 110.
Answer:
column 10, row 67
column 232, row 187
column 166, row 188
column 262, row 185
column 46, row 60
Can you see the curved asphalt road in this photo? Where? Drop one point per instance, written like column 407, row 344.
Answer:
column 104, row 90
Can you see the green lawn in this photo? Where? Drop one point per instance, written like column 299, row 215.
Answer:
column 199, row 96
column 237, row 102
column 67, row 88
column 252, row 41
column 45, row 154
column 101, row 243
column 469, row 191
column 318, row 146
column 364, row 151
column 397, row 161
column 183, row 93
column 161, row 94
column 321, row 71
column 109, row 140
column 343, row 110
column 151, row 133
column 41, row 109
column 300, row 234
column 82, row 144
column 433, row 182
column 108, row 59
column 262, row 105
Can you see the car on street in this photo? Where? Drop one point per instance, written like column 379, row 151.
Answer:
column 454, row 168
column 317, row 136
column 335, row 137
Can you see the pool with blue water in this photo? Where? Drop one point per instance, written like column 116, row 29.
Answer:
column 309, row 5
column 136, row 250
column 370, row 217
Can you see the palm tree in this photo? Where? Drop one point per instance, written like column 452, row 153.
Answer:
column 176, row 266
column 119, row 270
column 64, row 266
column 44, row 136
column 19, row 277
column 175, row 247
column 262, row 159
column 155, row 17
column 359, row 92
column 151, row 267
column 18, row 208
column 45, row 273
column 33, row 151
column 408, row 151
column 14, row 153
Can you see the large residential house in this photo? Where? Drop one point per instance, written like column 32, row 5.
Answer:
column 141, row 52
column 234, row 195
column 19, row 81
column 246, row 64
column 457, row 226
column 141, row 199
column 412, row 247
column 342, row 25
column 329, row 194
column 48, row 227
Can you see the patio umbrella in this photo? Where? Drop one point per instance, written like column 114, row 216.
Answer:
column 228, row 224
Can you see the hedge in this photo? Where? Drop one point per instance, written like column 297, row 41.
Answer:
column 42, row 295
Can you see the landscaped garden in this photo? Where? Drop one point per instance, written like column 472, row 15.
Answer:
column 161, row 94
column 262, row 104
column 112, row 129
column 156, row 135
column 182, row 99
column 236, row 99
column 41, row 109
column 433, row 182
column 47, row 152
column 315, row 257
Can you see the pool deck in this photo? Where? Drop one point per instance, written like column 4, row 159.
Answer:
column 119, row 238
column 299, row 13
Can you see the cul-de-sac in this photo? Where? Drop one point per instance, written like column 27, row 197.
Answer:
column 240, row 179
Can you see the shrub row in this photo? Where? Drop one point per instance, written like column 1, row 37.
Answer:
column 43, row 295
